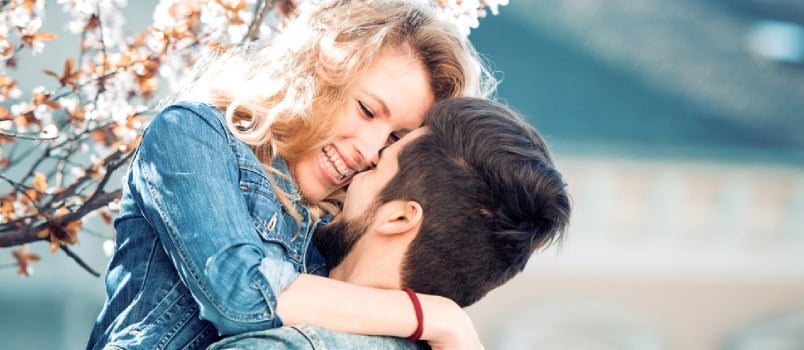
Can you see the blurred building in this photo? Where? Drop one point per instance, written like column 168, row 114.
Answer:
column 679, row 127
column 663, row 255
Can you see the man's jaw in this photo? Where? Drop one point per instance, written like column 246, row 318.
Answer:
column 337, row 239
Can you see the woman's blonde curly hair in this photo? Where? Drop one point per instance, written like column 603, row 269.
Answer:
column 283, row 97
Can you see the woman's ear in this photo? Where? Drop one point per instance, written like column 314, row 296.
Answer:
column 399, row 217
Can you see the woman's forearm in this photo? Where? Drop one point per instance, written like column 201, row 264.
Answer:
column 351, row 308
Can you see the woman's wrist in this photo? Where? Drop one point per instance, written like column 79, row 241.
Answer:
column 417, row 308
column 440, row 316
column 347, row 307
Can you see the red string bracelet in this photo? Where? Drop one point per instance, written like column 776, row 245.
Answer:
column 419, row 315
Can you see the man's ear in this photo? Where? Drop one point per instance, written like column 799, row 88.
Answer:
column 399, row 217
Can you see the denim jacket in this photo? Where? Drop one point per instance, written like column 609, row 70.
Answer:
column 203, row 246
column 312, row 338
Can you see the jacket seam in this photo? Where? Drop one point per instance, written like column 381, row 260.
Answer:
column 171, row 333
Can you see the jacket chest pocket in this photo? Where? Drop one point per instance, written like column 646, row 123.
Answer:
column 271, row 221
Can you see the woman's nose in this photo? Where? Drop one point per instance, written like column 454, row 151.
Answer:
column 371, row 147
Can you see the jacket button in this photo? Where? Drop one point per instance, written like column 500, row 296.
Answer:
column 271, row 223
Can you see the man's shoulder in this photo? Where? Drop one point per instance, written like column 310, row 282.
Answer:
column 311, row 337
column 323, row 338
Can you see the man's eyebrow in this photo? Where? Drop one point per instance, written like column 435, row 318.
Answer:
column 377, row 99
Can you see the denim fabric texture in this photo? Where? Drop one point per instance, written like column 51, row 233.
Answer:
column 203, row 247
column 312, row 338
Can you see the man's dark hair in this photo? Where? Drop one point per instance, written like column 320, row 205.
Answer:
column 490, row 194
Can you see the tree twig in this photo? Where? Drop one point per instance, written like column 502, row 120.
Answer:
column 36, row 164
column 78, row 260
column 262, row 8
column 27, row 136
column 101, row 82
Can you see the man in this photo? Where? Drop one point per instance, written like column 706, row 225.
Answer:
column 453, row 209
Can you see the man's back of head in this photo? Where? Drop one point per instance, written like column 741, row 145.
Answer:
column 491, row 197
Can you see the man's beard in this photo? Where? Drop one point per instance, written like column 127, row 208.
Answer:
column 337, row 239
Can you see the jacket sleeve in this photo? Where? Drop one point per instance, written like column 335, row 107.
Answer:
column 185, row 177
column 310, row 337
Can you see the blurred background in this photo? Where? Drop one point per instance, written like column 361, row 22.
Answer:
column 679, row 127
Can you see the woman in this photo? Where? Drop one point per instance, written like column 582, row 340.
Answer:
column 223, row 195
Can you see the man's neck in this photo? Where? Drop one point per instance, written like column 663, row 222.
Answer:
column 370, row 265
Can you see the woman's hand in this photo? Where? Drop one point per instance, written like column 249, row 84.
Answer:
column 447, row 326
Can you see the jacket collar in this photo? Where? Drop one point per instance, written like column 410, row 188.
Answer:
column 284, row 180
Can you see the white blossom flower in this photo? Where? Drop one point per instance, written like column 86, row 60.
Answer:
column 3, row 27
column 494, row 5
column 19, row 17
column 75, row 25
column 213, row 16
column 39, row 90
column 114, row 205
column 236, row 32
column 108, row 247
column 15, row 93
column 75, row 201
column 76, row 171
column 19, row 208
column 91, row 113
column 155, row 42
column 22, row 108
column 48, row 131
column 69, row 103
column 44, row 114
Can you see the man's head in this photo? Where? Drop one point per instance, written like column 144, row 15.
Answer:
column 476, row 187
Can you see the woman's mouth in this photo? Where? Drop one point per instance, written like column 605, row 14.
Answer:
column 335, row 165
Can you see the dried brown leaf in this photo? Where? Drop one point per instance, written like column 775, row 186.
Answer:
column 54, row 243
column 72, row 229
column 24, row 257
column 43, row 233
column 7, row 207
column 107, row 218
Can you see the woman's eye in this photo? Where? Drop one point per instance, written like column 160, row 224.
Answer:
column 394, row 137
column 365, row 110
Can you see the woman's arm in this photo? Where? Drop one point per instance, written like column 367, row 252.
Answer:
column 185, row 179
column 351, row 308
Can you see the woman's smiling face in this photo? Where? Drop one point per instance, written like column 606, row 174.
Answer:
column 388, row 101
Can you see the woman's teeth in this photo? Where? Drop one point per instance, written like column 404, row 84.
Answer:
column 336, row 165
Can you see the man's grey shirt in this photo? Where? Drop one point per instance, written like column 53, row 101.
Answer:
column 310, row 337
